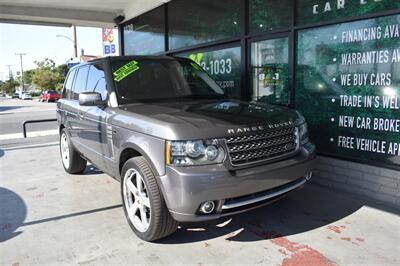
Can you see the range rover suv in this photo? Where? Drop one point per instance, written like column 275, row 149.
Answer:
column 181, row 149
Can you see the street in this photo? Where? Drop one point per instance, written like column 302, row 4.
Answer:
column 13, row 112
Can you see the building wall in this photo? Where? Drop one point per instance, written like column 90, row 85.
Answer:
column 377, row 184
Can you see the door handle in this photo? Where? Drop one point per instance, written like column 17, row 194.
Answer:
column 81, row 116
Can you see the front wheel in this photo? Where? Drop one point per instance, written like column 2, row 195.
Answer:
column 144, row 205
column 72, row 161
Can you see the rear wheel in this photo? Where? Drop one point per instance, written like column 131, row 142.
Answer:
column 72, row 161
column 144, row 205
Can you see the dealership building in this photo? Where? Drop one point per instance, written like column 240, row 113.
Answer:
column 337, row 62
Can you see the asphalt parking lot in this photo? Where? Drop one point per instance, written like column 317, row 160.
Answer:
column 50, row 217
column 13, row 112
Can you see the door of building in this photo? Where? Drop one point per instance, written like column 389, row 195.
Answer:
column 269, row 66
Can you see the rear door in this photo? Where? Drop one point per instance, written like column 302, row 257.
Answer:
column 76, row 113
column 66, row 106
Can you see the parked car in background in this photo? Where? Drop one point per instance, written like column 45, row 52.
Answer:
column 26, row 96
column 50, row 96
column 15, row 95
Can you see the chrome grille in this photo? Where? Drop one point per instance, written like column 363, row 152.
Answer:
column 262, row 146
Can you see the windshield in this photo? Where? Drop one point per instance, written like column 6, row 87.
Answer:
column 153, row 80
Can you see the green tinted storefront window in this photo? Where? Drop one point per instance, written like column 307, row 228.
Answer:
column 199, row 21
column 223, row 66
column 270, row 71
column 314, row 11
column 145, row 34
column 348, row 88
column 267, row 15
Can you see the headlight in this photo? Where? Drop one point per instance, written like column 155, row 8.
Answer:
column 303, row 133
column 300, row 118
column 194, row 152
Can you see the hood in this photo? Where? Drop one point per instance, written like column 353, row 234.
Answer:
column 202, row 119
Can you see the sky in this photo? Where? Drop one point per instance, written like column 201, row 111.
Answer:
column 40, row 42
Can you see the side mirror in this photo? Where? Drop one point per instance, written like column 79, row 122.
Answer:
column 91, row 99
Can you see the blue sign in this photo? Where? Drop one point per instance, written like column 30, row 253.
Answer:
column 107, row 49
column 69, row 65
column 113, row 48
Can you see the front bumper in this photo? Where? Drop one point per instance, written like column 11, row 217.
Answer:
column 234, row 191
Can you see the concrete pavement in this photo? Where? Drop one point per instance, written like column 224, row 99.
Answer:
column 49, row 217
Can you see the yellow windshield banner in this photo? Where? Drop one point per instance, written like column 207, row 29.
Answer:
column 126, row 70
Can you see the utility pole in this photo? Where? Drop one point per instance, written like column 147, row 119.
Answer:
column 22, row 70
column 74, row 40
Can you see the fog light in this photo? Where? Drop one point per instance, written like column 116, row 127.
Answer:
column 309, row 175
column 207, row 207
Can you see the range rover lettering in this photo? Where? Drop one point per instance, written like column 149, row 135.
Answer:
column 182, row 150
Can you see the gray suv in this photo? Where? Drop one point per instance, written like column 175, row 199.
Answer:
column 181, row 149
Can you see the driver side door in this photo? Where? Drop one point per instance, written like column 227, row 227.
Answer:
column 97, row 136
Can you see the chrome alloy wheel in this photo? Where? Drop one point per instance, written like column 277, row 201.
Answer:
column 64, row 148
column 136, row 199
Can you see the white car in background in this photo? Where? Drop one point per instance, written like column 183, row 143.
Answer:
column 26, row 96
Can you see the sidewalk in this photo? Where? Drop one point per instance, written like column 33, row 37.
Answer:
column 50, row 217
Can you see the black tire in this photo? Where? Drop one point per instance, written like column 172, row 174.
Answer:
column 76, row 163
column 161, row 222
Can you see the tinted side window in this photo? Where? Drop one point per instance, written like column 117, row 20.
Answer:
column 96, row 81
column 80, row 81
column 67, row 92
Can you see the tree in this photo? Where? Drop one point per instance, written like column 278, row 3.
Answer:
column 62, row 71
column 28, row 74
column 8, row 86
column 47, row 63
column 45, row 79
column 46, row 75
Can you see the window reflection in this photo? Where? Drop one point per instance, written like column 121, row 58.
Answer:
column 267, row 15
column 223, row 65
column 269, row 66
column 199, row 21
column 145, row 34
